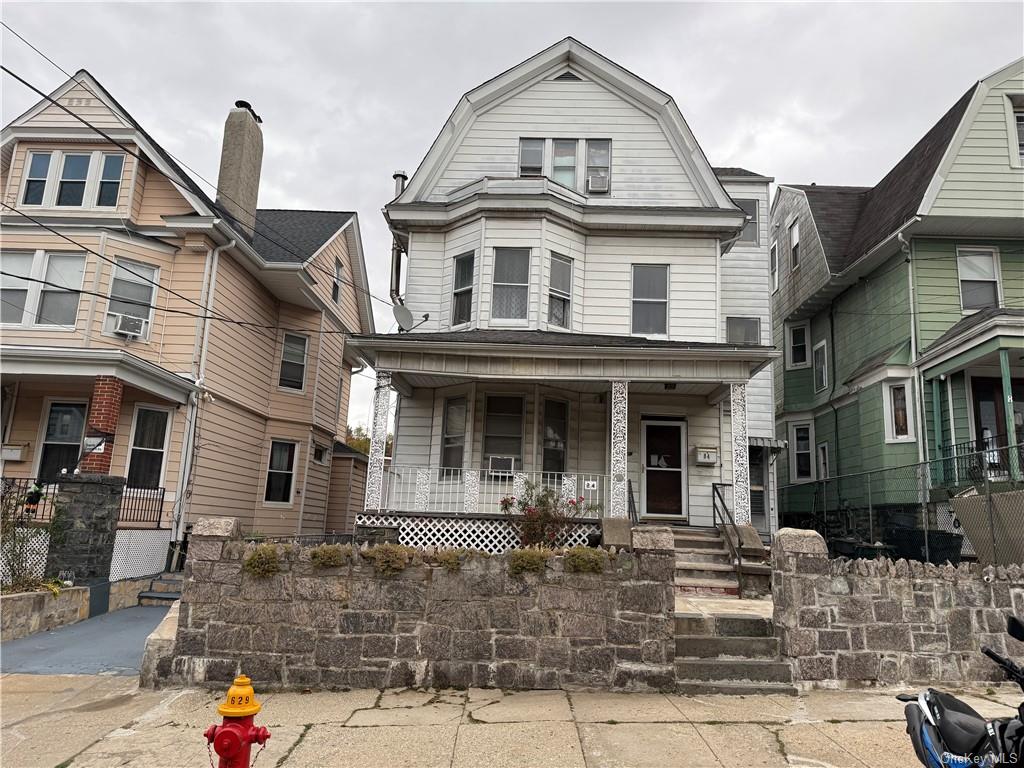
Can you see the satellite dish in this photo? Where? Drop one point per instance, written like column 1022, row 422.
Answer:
column 403, row 317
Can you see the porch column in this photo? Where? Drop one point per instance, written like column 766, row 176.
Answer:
column 937, row 428
column 740, row 454
column 1011, row 427
column 378, row 439
column 104, row 412
column 619, row 506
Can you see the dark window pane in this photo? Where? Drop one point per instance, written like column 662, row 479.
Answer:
column 282, row 456
column 144, row 469
column 803, row 464
column 749, row 234
column 649, row 317
column 55, row 458
column 742, row 330
column 279, row 486
column 510, row 302
column 561, row 274
column 512, row 265
column 451, row 455
column 292, row 375
column 556, row 427
column 463, row 272
column 76, row 167
column 40, row 166
column 71, row 193
column 12, row 305
column 650, row 282
column 108, row 193
column 112, row 165
column 462, row 311
column 558, row 311
column 150, row 429
column 531, row 156
column 34, row 192
column 899, row 411
column 57, row 308
column 65, row 423
column 664, row 446
column 978, row 294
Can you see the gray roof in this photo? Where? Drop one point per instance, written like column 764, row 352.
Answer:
column 554, row 338
column 730, row 171
column 879, row 358
column 343, row 449
column 835, row 211
column 291, row 236
column 974, row 320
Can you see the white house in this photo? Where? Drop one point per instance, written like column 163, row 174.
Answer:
column 588, row 305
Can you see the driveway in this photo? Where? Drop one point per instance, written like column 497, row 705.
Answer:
column 110, row 644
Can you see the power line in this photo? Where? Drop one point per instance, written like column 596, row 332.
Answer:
column 26, row 42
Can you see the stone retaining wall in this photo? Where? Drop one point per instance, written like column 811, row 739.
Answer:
column 479, row 625
column 25, row 613
column 882, row 621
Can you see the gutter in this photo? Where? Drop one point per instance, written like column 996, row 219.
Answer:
column 908, row 249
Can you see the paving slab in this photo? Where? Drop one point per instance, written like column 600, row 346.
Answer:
column 406, row 698
column 805, row 744
column 526, row 707
column 428, row 714
column 644, row 745
column 869, row 741
column 314, row 708
column 412, row 746
column 719, row 708
column 743, row 745
column 850, row 705
column 624, row 708
column 518, row 745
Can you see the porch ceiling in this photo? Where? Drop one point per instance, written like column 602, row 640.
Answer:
column 704, row 389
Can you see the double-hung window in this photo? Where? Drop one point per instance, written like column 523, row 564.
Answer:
column 148, row 447
column 132, row 291
column 41, row 288
column 743, row 330
column 336, row 284
column 453, row 433
column 462, row 290
column 650, row 299
column 110, row 181
column 281, row 472
column 62, row 440
column 801, row 437
column 749, row 233
column 794, row 245
column 796, row 345
column 819, row 359
column 531, row 157
column 511, row 292
column 899, row 416
column 293, row 362
column 35, row 180
column 1018, row 119
column 563, row 162
column 73, row 176
column 560, row 292
column 556, row 430
column 979, row 280
column 773, row 261
column 503, row 429
column 599, row 165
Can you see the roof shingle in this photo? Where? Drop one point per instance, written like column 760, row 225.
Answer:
column 292, row 236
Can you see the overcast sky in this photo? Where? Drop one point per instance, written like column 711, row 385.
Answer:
column 350, row 92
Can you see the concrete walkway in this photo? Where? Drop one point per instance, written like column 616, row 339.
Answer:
column 109, row 644
column 96, row 722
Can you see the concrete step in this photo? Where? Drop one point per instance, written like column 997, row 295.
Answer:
column 739, row 670
column 711, row 646
column 723, row 625
column 733, row 688
column 689, row 565
column 165, row 585
column 707, row 585
column 696, row 533
column 702, row 556
column 177, row 576
column 699, row 542
column 158, row 598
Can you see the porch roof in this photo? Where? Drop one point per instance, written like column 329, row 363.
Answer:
column 972, row 338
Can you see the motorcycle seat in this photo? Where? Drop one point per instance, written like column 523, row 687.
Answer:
column 962, row 729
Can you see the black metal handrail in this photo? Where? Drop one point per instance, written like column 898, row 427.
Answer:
column 142, row 505
column 634, row 514
column 721, row 511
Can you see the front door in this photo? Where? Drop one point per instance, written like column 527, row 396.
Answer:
column 990, row 412
column 663, row 470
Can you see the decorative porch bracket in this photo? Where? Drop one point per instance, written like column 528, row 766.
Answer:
column 378, row 439
column 620, row 411
column 740, row 454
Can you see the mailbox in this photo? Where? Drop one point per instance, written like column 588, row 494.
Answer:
column 707, row 457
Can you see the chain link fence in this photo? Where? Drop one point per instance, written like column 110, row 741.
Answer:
column 968, row 506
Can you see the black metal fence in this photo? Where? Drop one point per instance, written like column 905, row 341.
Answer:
column 33, row 503
column 966, row 506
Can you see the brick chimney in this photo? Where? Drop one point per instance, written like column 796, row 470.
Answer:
column 241, row 158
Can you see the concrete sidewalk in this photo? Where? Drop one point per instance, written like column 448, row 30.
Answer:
column 100, row 721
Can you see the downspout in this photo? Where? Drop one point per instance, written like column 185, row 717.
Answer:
column 396, row 250
column 908, row 250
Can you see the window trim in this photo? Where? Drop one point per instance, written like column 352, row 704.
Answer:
column 100, row 181
column 997, row 268
column 35, row 290
column 169, row 410
column 511, row 321
column 792, row 427
column 305, row 363
column 755, row 318
column 794, row 227
column 773, row 264
column 553, row 292
column 823, row 344
column 471, row 255
column 444, row 430
column 312, row 454
column 90, row 195
column 667, row 300
column 790, row 327
column 756, row 221
column 484, row 456
column 44, row 417
column 817, row 459
column 543, row 426
column 154, row 288
column 887, row 410
column 294, row 473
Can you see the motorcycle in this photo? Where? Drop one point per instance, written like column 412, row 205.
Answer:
column 946, row 732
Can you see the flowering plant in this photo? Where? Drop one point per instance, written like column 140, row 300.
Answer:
column 540, row 515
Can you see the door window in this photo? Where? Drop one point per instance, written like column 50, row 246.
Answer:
column 62, row 440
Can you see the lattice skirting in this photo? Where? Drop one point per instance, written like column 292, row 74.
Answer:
column 487, row 534
column 37, row 545
column 138, row 553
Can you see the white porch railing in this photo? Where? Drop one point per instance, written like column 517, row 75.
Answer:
column 479, row 491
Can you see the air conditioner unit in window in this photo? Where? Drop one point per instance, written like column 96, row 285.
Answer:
column 128, row 326
column 597, row 183
column 501, row 466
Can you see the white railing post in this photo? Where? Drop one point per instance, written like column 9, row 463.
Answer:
column 740, row 454
column 378, row 439
column 470, row 491
column 619, row 450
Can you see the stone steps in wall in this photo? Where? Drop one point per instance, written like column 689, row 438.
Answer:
column 163, row 584
column 703, row 556
column 691, row 541
column 158, row 598
column 163, row 590
column 708, row 646
column 733, row 688
column 733, row 671
column 708, row 587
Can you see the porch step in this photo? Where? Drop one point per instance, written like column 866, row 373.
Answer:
column 707, row 586
column 733, row 670
column 685, row 563
column 703, row 556
column 158, row 598
column 164, row 584
column 688, row 541
column 723, row 625
column 711, row 647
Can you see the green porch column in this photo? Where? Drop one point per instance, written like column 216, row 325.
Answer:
column 1013, row 454
column 937, row 428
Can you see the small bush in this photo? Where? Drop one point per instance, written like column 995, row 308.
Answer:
column 527, row 560
column 263, row 562
column 389, row 559
column 329, row 555
column 33, row 584
column 585, row 560
column 450, row 559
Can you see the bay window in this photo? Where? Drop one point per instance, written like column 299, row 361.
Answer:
column 462, row 290
column 560, row 292
column 510, row 297
column 819, row 360
column 281, row 472
column 293, row 362
column 899, row 416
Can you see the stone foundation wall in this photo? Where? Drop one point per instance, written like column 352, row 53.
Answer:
column 25, row 613
column 478, row 625
column 883, row 621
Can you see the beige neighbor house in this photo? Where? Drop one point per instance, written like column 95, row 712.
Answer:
column 591, row 309
column 196, row 347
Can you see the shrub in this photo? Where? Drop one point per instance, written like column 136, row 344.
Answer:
column 585, row 560
column 389, row 559
column 527, row 560
column 33, row 584
column 329, row 555
column 540, row 515
column 263, row 562
column 449, row 559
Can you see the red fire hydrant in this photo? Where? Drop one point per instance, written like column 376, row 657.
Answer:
column 233, row 739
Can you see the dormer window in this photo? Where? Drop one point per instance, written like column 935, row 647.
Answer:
column 599, row 165
column 110, row 181
column 531, row 157
column 35, row 181
column 73, row 179
column 74, row 173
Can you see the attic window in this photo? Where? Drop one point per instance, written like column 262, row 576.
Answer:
column 568, row 76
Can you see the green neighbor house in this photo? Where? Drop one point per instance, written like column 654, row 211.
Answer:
column 900, row 308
